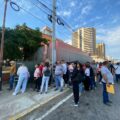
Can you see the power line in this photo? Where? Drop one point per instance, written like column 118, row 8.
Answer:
column 28, row 12
column 45, row 6
column 39, row 8
column 49, row 15
column 56, row 15
column 47, row 3
column 37, row 17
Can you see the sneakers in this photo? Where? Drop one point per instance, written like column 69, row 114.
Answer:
column 110, row 102
column 80, row 94
column 76, row 105
column 107, row 104
column 14, row 94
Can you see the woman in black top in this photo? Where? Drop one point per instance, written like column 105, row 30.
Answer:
column 77, row 77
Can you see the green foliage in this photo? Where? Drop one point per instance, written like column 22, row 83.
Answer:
column 22, row 42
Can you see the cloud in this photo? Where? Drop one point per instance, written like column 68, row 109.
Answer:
column 72, row 4
column 111, row 37
column 86, row 10
column 76, row 26
column 24, row 4
column 68, row 41
column 115, row 19
column 64, row 13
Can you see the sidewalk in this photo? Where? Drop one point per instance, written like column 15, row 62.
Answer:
column 12, row 107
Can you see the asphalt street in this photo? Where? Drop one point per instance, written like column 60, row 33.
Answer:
column 90, row 108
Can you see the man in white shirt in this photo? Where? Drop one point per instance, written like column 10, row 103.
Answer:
column 58, row 76
column 117, row 71
column 23, row 74
column 107, row 79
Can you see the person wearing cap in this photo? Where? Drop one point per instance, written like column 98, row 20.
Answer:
column 12, row 75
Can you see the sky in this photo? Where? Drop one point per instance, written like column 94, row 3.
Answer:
column 103, row 15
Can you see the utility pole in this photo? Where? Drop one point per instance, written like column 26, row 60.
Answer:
column 2, row 42
column 53, row 34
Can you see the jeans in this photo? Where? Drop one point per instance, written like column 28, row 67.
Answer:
column 22, row 82
column 58, row 79
column 117, row 77
column 92, row 82
column 81, row 87
column 105, row 94
column 45, row 81
column 11, row 81
column 76, row 92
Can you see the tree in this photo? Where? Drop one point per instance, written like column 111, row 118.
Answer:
column 22, row 42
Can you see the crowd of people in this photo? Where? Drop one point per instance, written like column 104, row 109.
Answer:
column 81, row 77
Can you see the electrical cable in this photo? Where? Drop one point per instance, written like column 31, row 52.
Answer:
column 37, row 17
column 13, row 4
column 47, row 3
column 49, row 16
column 60, row 18
column 39, row 7
column 45, row 6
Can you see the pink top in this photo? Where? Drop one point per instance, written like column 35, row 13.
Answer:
column 37, row 73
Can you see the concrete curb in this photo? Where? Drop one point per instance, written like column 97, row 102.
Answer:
column 34, row 107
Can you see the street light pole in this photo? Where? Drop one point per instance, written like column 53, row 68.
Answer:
column 2, row 42
column 53, row 33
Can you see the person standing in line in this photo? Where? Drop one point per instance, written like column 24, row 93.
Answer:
column 12, row 74
column 94, row 67
column 70, row 69
column 45, row 79
column 37, row 77
column 111, row 67
column 81, row 76
column 76, row 80
column 59, row 76
column 41, row 74
column 23, row 74
column 117, row 72
column 87, row 78
column 64, row 72
column 92, row 79
column 99, row 75
column 107, row 79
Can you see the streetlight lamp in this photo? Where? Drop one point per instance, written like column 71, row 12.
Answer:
column 2, row 42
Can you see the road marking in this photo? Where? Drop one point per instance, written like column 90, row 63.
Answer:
column 55, row 107
column 36, row 106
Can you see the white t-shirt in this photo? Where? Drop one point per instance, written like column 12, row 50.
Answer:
column 23, row 71
column 105, row 70
column 87, row 72
column 64, row 68
column 70, row 67
column 117, row 69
